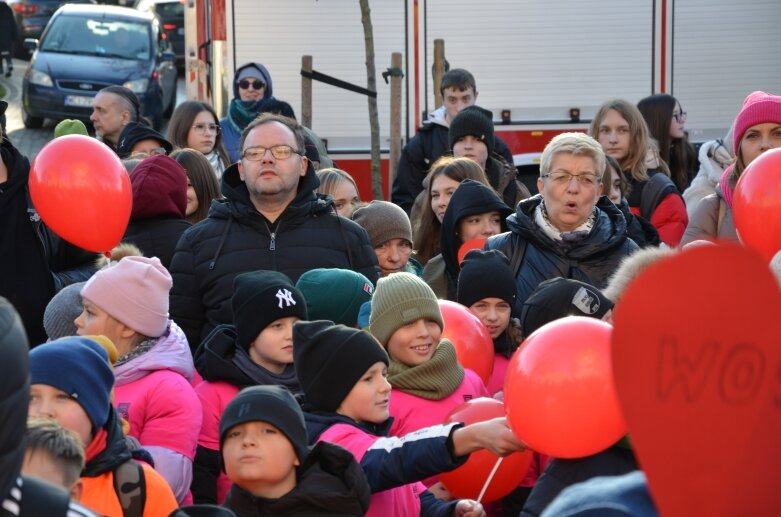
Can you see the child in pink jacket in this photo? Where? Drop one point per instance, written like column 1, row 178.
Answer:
column 128, row 303
column 256, row 350
column 343, row 377
column 424, row 371
column 486, row 285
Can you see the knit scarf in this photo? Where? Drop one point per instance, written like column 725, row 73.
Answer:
column 261, row 376
column 433, row 380
column 216, row 162
column 138, row 351
column 241, row 113
column 726, row 190
column 579, row 233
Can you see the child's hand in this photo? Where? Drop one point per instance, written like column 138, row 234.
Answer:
column 494, row 435
column 469, row 508
column 440, row 492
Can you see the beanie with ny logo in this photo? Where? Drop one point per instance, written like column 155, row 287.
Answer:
column 259, row 299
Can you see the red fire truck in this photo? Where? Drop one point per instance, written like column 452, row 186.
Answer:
column 542, row 66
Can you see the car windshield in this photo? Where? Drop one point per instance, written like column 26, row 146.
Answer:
column 99, row 37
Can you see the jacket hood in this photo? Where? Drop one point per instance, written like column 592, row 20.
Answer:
column 171, row 352
column 329, row 482
column 159, row 188
column 237, row 199
column 608, row 233
column 262, row 73
column 214, row 358
column 438, row 117
column 470, row 198
column 317, row 422
column 14, row 395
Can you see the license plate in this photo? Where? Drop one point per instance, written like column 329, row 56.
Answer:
column 180, row 31
column 80, row 101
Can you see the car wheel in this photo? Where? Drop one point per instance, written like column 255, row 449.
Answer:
column 31, row 122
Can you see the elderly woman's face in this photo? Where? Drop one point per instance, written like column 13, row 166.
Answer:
column 570, row 190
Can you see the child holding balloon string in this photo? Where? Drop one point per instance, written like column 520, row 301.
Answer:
column 424, row 371
column 342, row 372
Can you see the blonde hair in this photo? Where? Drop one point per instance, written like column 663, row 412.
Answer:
column 634, row 161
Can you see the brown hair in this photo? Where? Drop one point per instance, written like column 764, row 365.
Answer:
column 426, row 227
column 634, row 162
column 204, row 181
column 459, row 79
column 607, row 179
column 182, row 120
column 677, row 153
column 63, row 447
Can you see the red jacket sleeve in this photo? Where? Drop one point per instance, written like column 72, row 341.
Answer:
column 669, row 218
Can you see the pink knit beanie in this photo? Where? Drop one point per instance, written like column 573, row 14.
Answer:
column 134, row 292
column 758, row 108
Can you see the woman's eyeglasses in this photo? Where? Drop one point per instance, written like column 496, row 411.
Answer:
column 204, row 128
column 244, row 84
column 679, row 117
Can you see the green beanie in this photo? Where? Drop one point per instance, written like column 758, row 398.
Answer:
column 335, row 294
column 70, row 126
column 399, row 299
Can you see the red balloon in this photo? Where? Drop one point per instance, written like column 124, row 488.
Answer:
column 473, row 343
column 467, row 481
column 82, row 192
column 559, row 391
column 756, row 206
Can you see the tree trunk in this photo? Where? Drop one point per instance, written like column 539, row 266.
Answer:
column 371, row 84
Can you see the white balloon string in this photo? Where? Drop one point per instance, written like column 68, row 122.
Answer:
column 488, row 481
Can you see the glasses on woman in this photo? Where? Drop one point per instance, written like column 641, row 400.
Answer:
column 280, row 152
column 244, row 84
column 206, row 128
column 679, row 116
column 562, row 179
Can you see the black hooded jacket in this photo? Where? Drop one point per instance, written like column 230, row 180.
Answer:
column 236, row 238
column 34, row 262
column 591, row 260
column 328, row 482
column 470, row 198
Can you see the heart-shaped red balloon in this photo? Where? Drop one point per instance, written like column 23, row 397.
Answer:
column 82, row 191
column 697, row 363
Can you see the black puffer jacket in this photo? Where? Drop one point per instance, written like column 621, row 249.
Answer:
column 591, row 260
column 236, row 238
column 328, row 482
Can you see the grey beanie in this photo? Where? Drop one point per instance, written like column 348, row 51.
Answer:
column 62, row 309
column 383, row 221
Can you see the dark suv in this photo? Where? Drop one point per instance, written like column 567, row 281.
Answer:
column 32, row 16
column 88, row 47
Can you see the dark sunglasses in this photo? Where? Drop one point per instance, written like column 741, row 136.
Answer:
column 245, row 84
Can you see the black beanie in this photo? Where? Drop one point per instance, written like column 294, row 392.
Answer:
column 133, row 133
column 274, row 405
column 474, row 121
column 330, row 359
column 560, row 297
column 260, row 298
column 485, row 274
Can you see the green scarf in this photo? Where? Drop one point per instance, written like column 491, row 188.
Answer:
column 433, row 380
column 241, row 113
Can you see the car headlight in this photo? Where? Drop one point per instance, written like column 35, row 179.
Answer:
column 137, row 86
column 37, row 77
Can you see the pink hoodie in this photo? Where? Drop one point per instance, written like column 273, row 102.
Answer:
column 154, row 394
column 411, row 412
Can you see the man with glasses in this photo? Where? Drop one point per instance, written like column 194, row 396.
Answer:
column 270, row 219
column 570, row 229
column 251, row 86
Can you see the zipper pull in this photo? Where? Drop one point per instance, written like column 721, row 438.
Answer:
column 273, row 245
